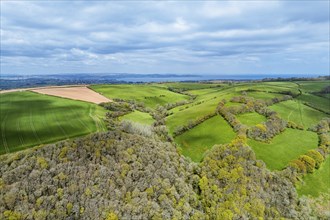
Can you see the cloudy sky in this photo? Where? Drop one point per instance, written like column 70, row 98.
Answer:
column 195, row 37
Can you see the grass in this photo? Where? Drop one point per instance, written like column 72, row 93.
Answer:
column 285, row 147
column 313, row 86
column 293, row 110
column 150, row 95
column 251, row 119
column 29, row 119
column 192, row 113
column 276, row 87
column 196, row 141
column 190, row 86
column 317, row 182
column 318, row 102
column 263, row 95
column 140, row 117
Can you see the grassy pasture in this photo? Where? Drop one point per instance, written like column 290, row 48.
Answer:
column 299, row 113
column 322, row 103
column 251, row 118
column 150, row 95
column 192, row 113
column 282, row 84
column 196, row 141
column 29, row 119
column 140, row 117
column 313, row 86
column 317, row 182
column 276, row 87
column 285, row 147
column 191, row 86
column 263, row 95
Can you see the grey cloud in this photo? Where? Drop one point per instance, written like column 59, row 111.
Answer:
column 164, row 34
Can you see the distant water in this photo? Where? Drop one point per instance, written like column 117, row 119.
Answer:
column 205, row 77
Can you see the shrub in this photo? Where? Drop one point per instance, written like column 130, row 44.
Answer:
column 309, row 163
column 318, row 158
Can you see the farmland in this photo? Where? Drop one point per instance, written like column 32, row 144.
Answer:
column 251, row 119
column 213, row 131
column 294, row 110
column 285, row 147
column 140, row 117
column 29, row 119
column 150, row 95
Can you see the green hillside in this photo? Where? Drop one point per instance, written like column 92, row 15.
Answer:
column 29, row 119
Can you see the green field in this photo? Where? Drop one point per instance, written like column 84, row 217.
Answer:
column 190, row 86
column 140, row 117
column 251, row 119
column 317, row 182
column 313, row 86
column 192, row 113
column 150, row 95
column 285, row 147
column 196, row 141
column 29, row 119
column 263, row 95
column 318, row 102
column 298, row 113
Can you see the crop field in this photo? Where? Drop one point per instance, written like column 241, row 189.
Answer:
column 251, row 118
column 317, row 182
column 298, row 113
column 285, row 147
column 213, row 131
column 140, row 117
column 81, row 93
column 29, row 119
column 150, row 95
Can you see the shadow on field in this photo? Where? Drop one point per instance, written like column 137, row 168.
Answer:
column 52, row 121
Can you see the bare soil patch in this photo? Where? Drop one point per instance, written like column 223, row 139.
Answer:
column 77, row 93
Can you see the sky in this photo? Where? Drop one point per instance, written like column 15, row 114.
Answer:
column 181, row 37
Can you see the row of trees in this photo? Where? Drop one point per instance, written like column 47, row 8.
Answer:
column 192, row 123
column 261, row 132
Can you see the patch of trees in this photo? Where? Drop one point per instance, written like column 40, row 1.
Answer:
column 307, row 163
column 267, row 130
column 322, row 127
column 126, row 174
column 117, row 109
column 234, row 185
